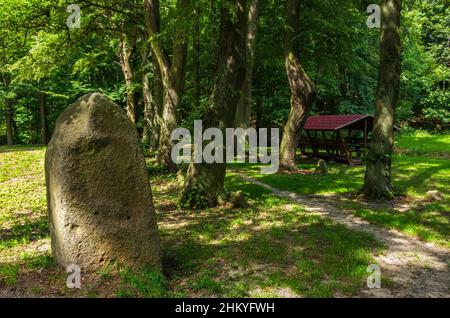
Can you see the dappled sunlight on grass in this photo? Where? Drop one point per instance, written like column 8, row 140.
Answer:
column 23, row 213
column 272, row 245
column 341, row 179
column 413, row 174
column 422, row 142
column 428, row 221
column 21, row 161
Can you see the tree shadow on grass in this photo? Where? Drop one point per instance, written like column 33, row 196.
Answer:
column 24, row 232
column 427, row 220
column 407, row 173
column 420, row 179
column 274, row 248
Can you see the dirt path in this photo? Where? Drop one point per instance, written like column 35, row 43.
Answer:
column 418, row 269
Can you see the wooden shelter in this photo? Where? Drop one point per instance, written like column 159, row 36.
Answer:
column 337, row 137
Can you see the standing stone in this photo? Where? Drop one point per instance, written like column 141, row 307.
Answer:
column 98, row 193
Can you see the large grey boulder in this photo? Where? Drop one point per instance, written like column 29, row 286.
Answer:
column 98, row 194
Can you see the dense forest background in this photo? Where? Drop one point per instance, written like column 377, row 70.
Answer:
column 45, row 66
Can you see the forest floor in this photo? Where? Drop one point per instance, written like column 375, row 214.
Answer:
column 316, row 242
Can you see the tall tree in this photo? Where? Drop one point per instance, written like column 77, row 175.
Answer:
column 126, row 47
column 377, row 180
column 45, row 133
column 302, row 88
column 157, row 113
column 147, row 96
column 204, row 184
column 244, row 105
column 196, row 58
column 8, row 112
column 173, row 71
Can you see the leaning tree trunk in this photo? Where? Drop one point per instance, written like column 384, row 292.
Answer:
column 204, row 184
column 377, row 181
column 45, row 135
column 173, row 90
column 8, row 114
column 147, row 96
column 302, row 88
column 156, row 117
column 125, row 54
column 244, row 106
column 172, row 74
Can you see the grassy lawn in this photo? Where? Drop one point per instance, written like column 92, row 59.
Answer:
column 23, row 216
column 269, row 248
column 421, row 164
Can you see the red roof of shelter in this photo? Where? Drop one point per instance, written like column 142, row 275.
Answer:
column 332, row 122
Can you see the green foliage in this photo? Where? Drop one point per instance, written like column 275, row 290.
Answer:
column 425, row 97
column 337, row 49
column 193, row 199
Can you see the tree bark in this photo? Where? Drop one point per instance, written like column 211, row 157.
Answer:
column 244, row 106
column 126, row 44
column 302, row 88
column 214, row 34
column 158, row 105
column 204, row 185
column 147, row 96
column 196, row 59
column 45, row 135
column 172, row 74
column 377, row 180
column 8, row 113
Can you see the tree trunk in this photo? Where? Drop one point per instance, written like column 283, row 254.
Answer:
column 158, row 105
column 196, row 59
column 125, row 53
column 8, row 113
column 45, row 135
column 172, row 74
column 173, row 90
column 149, row 106
column 302, row 88
column 204, row 185
column 244, row 106
column 214, row 35
column 377, row 181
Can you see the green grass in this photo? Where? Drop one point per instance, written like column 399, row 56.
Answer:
column 271, row 247
column 19, row 161
column 430, row 222
column 145, row 283
column 415, row 171
column 23, row 216
column 425, row 143
column 39, row 261
column 420, row 165
column 9, row 274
